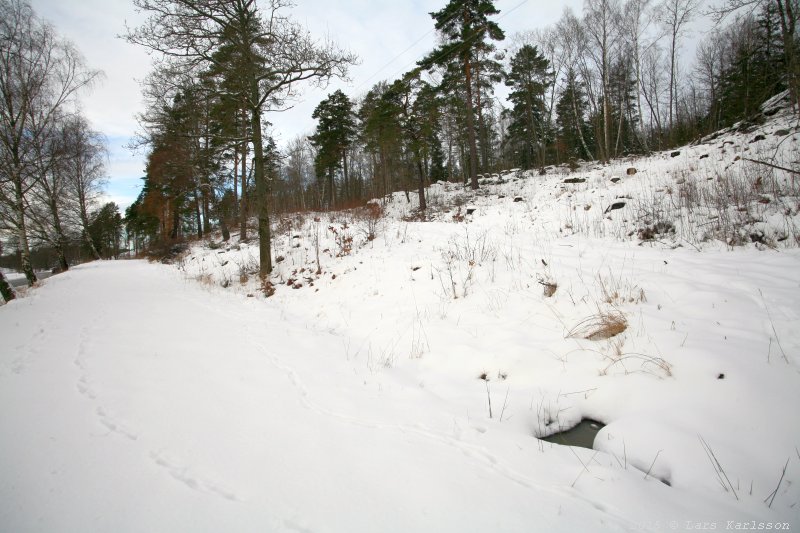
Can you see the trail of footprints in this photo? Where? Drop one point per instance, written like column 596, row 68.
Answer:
column 114, row 425
column 194, row 482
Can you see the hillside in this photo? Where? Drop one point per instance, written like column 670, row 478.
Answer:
column 398, row 372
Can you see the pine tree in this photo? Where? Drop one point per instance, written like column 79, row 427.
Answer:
column 381, row 132
column 465, row 28
column 106, row 229
column 335, row 134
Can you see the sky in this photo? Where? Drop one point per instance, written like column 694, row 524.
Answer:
column 388, row 37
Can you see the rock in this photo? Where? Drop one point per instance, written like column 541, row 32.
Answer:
column 631, row 171
column 757, row 138
column 575, row 180
column 615, row 180
column 517, row 199
column 782, row 133
column 615, row 205
column 703, row 156
column 676, row 153
column 471, row 210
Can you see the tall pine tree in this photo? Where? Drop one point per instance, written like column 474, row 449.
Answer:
column 465, row 28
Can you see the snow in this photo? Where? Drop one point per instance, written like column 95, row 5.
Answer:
column 147, row 397
column 12, row 275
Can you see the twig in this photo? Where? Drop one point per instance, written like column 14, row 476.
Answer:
column 771, row 165
column 489, row 396
column 717, row 467
column 774, row 493
column 503, row 410
column 625, row 453
column 578, row 392
column 586, row 468
column 652, row 464
column 771, row 323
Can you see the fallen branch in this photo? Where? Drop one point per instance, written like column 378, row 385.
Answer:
column 771, row 165
column 722, row 477
column 774, row 493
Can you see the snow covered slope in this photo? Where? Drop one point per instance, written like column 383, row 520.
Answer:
column 398, row 376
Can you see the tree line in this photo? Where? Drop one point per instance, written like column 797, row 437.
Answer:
column 51, row 160
column 605, row 83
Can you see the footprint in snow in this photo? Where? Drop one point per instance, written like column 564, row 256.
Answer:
column 185, row 476
column 115, row 426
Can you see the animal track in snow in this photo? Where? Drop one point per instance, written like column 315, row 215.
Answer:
column 115, row 425
column 185, row 476
column 84, row 388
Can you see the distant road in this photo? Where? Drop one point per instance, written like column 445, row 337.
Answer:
column 21, row 282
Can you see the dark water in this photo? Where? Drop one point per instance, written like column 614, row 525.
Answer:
column 581, row 435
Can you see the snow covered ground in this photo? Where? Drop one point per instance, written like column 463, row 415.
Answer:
column 135, row 400
column 146, row 397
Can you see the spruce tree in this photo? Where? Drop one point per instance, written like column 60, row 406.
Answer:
column 573, row 131
column 528, row 80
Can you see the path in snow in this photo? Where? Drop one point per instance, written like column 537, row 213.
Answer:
column 134, row 400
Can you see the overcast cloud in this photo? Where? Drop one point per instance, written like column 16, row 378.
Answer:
column 380, row 32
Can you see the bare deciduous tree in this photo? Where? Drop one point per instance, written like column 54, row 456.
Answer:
column 40, row 75
column 601, row 22
column 674, row 15
column 267, row 51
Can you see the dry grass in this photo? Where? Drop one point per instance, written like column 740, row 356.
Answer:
column 549, row 286
column 205, row 279
column 615, row 291
column 600, row 326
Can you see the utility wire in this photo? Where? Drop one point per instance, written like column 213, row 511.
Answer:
column 467, row 42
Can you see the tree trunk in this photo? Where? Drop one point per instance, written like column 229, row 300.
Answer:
column 22, row 234
column 473, row 148
column 85, row 225
column 606, row 111
column 579, row 127
column 61, row 239
column 481, row 125
column 235, row 183
column 262, row 191
column 5, row 289
column 672, row 85
column 197, row 216
column 421, row 186
column 243, row 202
column 346, row 189
column 331, row 189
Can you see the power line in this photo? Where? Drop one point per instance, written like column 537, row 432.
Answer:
column 440, row 56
